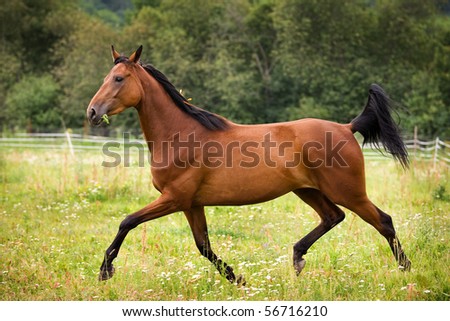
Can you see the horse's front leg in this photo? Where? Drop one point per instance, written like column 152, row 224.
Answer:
column 197, row 221
column 162, row 206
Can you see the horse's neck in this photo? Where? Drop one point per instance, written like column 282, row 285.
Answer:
column 160, row 118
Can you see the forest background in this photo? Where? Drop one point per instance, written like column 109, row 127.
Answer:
column 253, row 61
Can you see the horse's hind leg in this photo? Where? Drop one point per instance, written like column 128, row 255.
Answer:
column 197, row 221
column 330, row 216
column 383, row 224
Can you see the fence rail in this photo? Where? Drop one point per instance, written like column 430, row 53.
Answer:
column 434, row 151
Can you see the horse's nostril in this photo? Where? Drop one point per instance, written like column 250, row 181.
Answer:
column 92, row 113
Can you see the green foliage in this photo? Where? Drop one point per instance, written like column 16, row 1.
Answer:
column 33, row 102
column 341, row 48
column 441, row 194
column 83, row 63
column 252, row 61
column 425, row 102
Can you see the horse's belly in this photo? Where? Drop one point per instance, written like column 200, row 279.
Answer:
column 247, row 186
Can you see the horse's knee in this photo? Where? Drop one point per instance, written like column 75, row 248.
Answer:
column 334, row 219
column 340, row 216
column 386, row 220
column 128, row 223
column 387, row 225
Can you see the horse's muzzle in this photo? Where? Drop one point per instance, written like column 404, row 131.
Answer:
column 94, row 116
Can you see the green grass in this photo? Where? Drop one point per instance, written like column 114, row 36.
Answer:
column 59, row 214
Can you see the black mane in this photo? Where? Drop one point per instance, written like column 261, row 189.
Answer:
column 209, row 120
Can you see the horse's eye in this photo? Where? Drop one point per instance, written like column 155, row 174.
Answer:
column 118, row 79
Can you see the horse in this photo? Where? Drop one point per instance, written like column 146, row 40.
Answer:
column 200, row 159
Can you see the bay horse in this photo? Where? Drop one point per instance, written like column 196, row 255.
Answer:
column 200, row 159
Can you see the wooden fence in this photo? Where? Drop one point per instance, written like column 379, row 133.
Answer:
column 434, row 151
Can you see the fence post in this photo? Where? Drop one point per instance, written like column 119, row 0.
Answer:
column 436, row 148
column 69, row 142
column 416, row 141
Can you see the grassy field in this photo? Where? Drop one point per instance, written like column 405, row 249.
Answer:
column 60, row 213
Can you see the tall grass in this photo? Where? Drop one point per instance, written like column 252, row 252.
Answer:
column 59, row 214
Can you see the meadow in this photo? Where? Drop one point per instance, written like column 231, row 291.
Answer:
column 60, row 212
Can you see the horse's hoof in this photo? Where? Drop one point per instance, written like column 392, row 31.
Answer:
column 106, row 274
column 299, row 265
column 240, row 281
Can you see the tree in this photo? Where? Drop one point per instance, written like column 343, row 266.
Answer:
column 26, row 45
column 333, row 50
column 33, row 102
column 85, row 59
column 30, row 40
column 252, row 61
column 322, row 50
column 426, row 108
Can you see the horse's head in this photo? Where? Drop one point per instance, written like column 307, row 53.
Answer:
column 121, row 89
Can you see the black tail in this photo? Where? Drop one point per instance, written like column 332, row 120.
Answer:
column 377, row 126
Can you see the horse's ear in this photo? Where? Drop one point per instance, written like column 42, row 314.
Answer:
column 115, row 54
column 136, row 55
